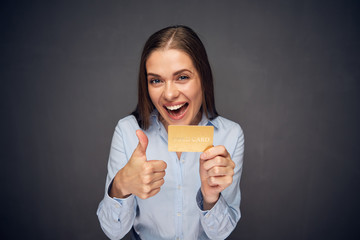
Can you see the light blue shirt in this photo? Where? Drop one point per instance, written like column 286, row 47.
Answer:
column 176, row 211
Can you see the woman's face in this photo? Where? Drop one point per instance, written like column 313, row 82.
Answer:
column 174, row 87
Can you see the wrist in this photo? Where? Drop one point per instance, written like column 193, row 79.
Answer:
column 209, row 200
column 118, row 189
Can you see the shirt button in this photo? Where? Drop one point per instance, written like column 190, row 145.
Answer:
column 117, row 205
column 179, row 187
column 178, row 214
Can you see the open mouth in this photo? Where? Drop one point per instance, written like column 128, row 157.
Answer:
column 176, row 111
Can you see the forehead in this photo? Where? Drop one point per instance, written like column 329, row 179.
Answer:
column 169, row 60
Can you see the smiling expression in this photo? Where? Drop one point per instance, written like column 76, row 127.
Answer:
column 174, row 87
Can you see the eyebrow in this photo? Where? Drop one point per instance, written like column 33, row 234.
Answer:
column 174, row 74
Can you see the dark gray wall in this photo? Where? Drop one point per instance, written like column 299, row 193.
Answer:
column 287, row 71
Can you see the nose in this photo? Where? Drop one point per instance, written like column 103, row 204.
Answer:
column 171, row 92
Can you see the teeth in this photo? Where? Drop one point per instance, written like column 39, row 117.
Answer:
column 175, row 107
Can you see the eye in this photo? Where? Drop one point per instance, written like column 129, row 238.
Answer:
column 183, row 77
column 154, row 81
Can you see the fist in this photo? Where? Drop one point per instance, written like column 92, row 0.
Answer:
column 216, row 174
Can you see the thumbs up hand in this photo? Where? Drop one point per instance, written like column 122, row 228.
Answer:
column 139, row 176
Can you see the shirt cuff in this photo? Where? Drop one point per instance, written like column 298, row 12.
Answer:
column 217, row 212
column 120, row 207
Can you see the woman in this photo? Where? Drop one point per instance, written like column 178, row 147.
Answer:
column 167, row 195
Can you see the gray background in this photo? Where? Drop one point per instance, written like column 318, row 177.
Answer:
column 287, row 71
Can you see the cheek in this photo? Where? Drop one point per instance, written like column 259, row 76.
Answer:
column 195, row 94
column 151, row 96
column 198, row 100
column 154, row 95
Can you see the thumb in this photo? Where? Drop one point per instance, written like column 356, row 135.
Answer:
column 143, row 141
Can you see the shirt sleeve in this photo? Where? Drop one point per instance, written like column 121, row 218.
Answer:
column 221, row 219
column 116, row 215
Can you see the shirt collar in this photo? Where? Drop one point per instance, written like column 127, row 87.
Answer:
column 154, row 119
column 207, row 122
column 203, row 122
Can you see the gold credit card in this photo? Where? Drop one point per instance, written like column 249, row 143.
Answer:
column 190, row 138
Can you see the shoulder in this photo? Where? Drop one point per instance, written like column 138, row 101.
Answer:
column 125, row 133
column 127, row 126
column 128, row 122
column 229, row 134
column 225, row 125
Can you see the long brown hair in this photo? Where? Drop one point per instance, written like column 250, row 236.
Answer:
column 185, row 39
